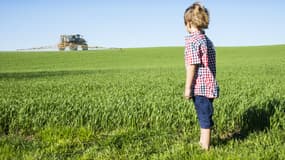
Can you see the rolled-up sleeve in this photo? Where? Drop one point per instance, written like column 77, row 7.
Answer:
column 192, row 53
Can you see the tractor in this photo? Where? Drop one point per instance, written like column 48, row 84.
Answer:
column 72, row 41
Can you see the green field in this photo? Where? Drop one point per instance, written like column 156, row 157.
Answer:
column 128, row 104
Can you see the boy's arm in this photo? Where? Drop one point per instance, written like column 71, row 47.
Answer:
column 190, row 72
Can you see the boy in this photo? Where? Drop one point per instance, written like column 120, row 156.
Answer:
column 200, row 62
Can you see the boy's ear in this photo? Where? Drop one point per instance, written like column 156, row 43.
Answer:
column 188, row 25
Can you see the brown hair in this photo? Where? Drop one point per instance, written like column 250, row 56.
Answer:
column 197, row 15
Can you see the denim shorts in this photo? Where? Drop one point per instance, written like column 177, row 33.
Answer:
column 204, row 109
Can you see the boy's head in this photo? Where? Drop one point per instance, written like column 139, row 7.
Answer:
column 196, row 16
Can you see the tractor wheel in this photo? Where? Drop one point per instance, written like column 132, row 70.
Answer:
column 84, row 47
column 73, row 47
column 61, row 49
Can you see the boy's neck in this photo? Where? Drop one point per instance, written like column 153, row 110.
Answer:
column 193, row 30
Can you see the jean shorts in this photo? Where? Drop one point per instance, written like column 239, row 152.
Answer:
column 204, row 109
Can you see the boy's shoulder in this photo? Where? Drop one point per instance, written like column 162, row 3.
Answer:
column 195, row 38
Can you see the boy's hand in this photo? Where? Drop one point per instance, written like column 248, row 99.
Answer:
column 187, row 93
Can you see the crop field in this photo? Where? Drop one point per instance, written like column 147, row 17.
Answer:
column 128, row 104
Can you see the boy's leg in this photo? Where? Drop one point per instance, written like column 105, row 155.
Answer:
column 204, row 109
column 205, row 138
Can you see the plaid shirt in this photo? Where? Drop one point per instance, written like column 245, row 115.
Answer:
column 200, row 50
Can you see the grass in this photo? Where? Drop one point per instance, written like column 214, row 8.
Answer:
column 127, row 104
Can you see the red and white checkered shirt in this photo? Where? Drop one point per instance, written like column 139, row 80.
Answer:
column 200, row 50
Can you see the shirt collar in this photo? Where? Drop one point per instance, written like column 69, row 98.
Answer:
column 189, row 35
column 196, row 33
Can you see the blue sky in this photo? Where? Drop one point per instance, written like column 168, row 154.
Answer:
column 134, row 23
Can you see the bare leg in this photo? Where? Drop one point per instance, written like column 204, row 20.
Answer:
column 205, row 138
